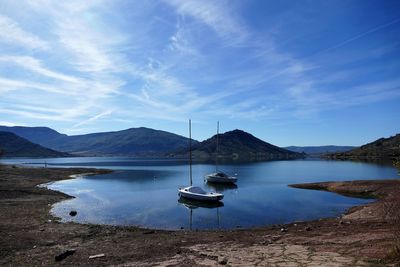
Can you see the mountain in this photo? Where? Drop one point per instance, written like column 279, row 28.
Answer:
column 12, row 145
column 315, row 150
column 38, row 135
column 383, row 148
column 131, row 142
column 242, row 146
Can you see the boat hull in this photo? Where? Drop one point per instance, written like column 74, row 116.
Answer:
column 220, row 180
column 200, row 197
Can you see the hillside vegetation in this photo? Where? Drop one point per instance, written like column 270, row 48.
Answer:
column 131, row 142
column 240, row 145
column 317, row 150
column 383, row 148
column 12, row 145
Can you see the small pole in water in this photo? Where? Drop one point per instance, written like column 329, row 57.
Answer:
column 190, row 150
column 45, row 164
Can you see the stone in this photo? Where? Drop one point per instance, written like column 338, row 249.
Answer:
column 73, row 213
column 222, row 260
column 308, row 228
column 283, row 230
column 64, row 254
column 97, row 256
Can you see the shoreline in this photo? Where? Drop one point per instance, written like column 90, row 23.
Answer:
column 35, row 237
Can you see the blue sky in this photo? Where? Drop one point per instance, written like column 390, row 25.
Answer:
column 289, row 72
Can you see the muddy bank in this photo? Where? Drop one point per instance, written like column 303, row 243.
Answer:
column 30, row 236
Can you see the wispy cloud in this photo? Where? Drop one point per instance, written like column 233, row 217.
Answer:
column 10, row 124
column 12, row 33
column 92, row 119
column 35, row 65
column 361, row 35
column 10, row 85
column 217, row 15
column 81, row 63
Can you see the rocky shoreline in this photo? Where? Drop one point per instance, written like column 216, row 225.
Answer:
column 30, row 236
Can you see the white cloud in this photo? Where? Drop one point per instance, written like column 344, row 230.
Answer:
column 10, row 124
column 92, row 119
column 217, row 15
column 179, row 42
column 35, row 65
column 7, row 85
column 12, row 33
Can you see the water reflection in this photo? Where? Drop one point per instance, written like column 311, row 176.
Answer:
column 194, row 204
column 221, row 187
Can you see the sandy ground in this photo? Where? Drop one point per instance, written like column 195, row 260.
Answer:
column 30, row 236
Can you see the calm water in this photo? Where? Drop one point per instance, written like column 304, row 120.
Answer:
column 144, row 193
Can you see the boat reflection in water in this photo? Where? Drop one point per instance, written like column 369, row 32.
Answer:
column 194, row 204
column 221, row 187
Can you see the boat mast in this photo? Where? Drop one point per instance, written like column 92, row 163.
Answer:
column 190, row 150
column 216, row 158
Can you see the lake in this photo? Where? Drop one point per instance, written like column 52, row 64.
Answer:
column 144, row 192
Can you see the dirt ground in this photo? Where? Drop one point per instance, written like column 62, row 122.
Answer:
column 30, row 236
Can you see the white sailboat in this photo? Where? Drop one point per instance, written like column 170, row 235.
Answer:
column 195, row 192
column 218, row 176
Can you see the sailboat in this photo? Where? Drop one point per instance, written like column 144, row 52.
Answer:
column 218, row 176
column 195, row 192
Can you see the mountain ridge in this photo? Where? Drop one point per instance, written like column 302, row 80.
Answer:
column 239, row 145
column 382, row 148
column 317, row 150
column 12, row 145
column 139, row 141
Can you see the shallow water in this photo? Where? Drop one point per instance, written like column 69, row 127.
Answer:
column 144, row 192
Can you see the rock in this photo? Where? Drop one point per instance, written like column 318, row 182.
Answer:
column 149, row 232
column 308, row 228
column 50, row 243
column 340, row 222
column 64, row 254
column 73, row 213
column 275, row 238
column 97, row 256
column 283, row 230
column 222, row 260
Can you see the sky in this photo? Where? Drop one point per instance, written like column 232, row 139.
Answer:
column 289, row 72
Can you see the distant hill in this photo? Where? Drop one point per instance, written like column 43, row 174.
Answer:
column 242, row 146
column 38, row 135
column 383, row 148
column 316, row 150
column 12, row 145
column 131, row 142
